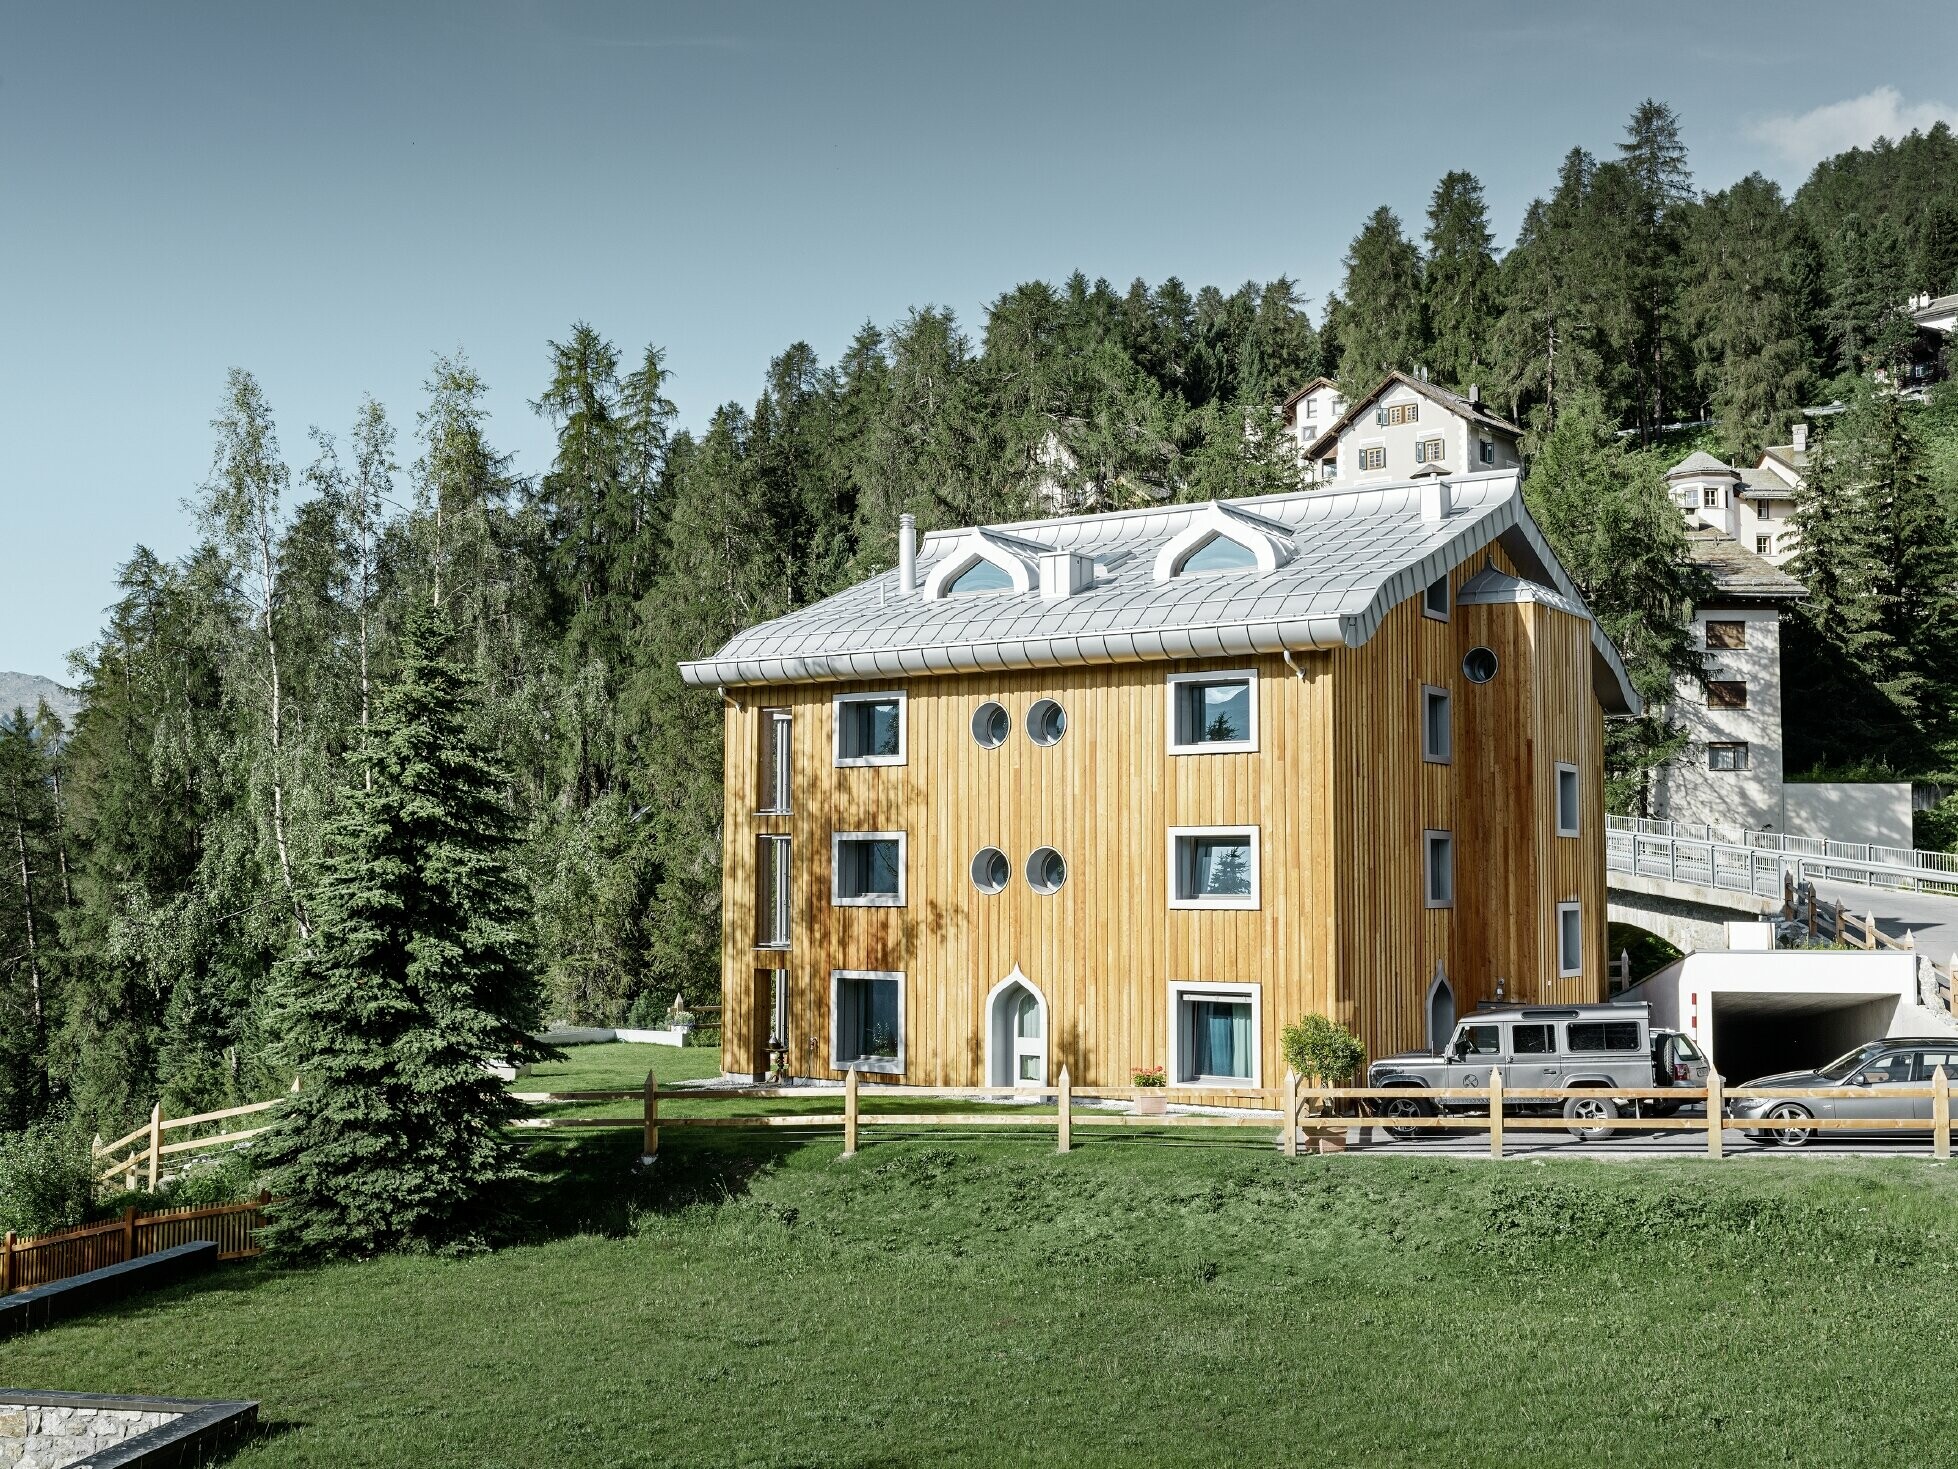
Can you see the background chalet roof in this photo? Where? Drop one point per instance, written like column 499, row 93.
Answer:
column 1317, row 382
column 1454, row 402
column 1788, row 454
column 1737, row 572
column 1700, row 462
column 1354, row 555
column 1764, row 483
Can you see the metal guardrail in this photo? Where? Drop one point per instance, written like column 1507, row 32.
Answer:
column 1768, row 862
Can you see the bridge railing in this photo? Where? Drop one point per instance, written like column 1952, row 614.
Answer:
column 1763, row 862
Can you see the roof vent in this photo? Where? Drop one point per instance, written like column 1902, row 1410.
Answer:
column 1475, row 392
column 907, row 554
column 1437, row 500
column 1064, row 573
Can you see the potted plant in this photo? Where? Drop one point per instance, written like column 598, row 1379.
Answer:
column 1152, row 1102
column 1324, row 1053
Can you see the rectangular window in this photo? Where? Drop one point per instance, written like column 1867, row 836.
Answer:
column 1373, row 457
column 1434, row 601
column 870, row 729
column 866, row 1020
column 1213, row 867
column 1570, row 959
column 771, row 892
column 1437, row 738
column 867, row 869
column 1726, row 634
column 1213, row 713
column 1567, row 805
column 776, row 726
column 1215, row 1034
column 1428, row 451
column 1440, row 865
column 1726, row 693
column 1311, row 407
column 1531, row 1040
column 1726, row 757
column 1764, row 545
column 1488, row 450
column 1764, row 510
column 1603, row 1035
column 1480, row 1040
column 1710, row 499
column 1403, row 413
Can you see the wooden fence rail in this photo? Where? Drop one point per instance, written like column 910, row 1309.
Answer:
column 43, row 1259
column 143, row 1151
column 1307, row 1109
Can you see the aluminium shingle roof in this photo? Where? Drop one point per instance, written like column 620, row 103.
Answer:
column 1355, row 555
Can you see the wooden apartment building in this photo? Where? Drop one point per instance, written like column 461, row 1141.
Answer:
column 1139, row 789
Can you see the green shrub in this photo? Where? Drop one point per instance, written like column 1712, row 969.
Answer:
column 225, row 1178
column 1322, row 1052
column 45, row 1181
column 706, row 1036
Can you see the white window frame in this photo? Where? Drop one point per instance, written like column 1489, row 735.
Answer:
column 903, row 754
column 1430, row 755
column 1427, row 868
column 870, row 900
column 1562, row 971
column 1173, row 686
column 1249, row 900
column 1181, row 989
column 1577, row 800
column 878, row 1064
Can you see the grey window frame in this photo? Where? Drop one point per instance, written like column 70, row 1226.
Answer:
column 1429, row 839
column 1431, row 695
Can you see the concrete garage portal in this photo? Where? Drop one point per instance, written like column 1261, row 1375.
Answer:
column 1756, row 1012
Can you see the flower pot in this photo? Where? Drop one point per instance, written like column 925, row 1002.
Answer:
column 1151, row 1104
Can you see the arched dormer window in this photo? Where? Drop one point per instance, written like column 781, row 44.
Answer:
column 1221, row 538
column 984, row 563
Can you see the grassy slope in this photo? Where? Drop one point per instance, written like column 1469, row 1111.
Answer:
column 1143, row 1301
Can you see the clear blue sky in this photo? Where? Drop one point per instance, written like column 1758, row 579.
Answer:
column 329, row 194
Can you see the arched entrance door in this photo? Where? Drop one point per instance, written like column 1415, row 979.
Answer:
column 1441, row 1011
column 1016, row 1033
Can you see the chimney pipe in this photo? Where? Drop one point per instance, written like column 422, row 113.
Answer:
column 907, row 554
column 1475, row 392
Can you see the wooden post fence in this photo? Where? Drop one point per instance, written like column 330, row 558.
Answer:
column 1940, row 1114
column 156, row 1143
column 1064, row 1135
column 7, row 1263
column 1288, row 1139
column 850, row 1113
column 650, row 1147
column 1495, row 1112
column 1716, row 1118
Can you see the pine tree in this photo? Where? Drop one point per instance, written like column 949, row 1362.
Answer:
column 1460, row 280
column 1607, row 515
column 30, row 905
column 1749, row 304
column 413, row 984
column 1382, row 325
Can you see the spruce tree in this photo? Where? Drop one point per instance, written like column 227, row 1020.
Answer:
column 1382, row 326
column 414, row 982
column 1460, row 280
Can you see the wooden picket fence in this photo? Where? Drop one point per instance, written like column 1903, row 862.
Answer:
column 141, row 1153
column 42, row 1259
column 1310, row 1110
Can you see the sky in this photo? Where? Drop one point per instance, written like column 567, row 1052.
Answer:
column 329, row 195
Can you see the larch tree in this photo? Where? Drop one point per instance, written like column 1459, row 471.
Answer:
column 1460, row 280
column 413, row 984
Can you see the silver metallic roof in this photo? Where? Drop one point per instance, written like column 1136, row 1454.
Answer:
column 1356, row 554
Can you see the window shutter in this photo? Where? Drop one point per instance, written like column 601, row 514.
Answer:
column 1380, row 416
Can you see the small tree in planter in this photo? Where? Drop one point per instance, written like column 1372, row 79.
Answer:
column 1323, row 1054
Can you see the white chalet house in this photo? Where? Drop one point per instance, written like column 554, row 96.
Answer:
column 1310, row 411
column 1752, row 506
column 1408, row 428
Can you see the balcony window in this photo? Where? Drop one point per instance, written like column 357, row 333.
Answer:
column 777, row 727
column 772, row 892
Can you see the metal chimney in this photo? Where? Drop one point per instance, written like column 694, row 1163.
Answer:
column 907, row 554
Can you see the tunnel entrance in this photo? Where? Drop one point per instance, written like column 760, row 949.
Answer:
column 1759, row 1034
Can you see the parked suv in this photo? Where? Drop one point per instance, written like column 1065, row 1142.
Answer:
column 1900, row 1063
column 1587, row 1050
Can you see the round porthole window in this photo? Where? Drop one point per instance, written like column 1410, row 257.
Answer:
column 991, row 872
column 1046, row 871
column 1046, row 722
column 991, row 725
column 1479, row 666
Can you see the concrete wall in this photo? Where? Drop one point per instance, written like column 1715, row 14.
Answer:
column 1875, row 812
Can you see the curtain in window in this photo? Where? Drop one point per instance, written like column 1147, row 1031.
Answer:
column 1221, row 1043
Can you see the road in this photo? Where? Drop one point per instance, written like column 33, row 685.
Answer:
column 1629, row 1147
column 1931, row 921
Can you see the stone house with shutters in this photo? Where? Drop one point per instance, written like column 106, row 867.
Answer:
column 1408, row 427
column 1138, row 788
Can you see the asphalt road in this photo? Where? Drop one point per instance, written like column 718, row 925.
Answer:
column 1688, row 1142
column 1931, row 921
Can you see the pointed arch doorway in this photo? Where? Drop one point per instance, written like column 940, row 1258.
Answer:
column 1016, row 1033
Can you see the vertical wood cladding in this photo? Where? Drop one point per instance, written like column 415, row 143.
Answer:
column 1337, row 789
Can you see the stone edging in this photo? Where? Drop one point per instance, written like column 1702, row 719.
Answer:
column 45, row 1304
column 202, row 1425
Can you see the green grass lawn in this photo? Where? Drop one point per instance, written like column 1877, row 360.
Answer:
column 1148, row 1299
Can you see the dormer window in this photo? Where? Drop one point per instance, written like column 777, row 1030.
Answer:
column 1219, row 553
column 978, row 578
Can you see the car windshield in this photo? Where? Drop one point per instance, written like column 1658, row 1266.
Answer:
column 1837, row 1069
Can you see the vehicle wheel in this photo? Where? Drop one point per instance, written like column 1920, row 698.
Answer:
column 1405, row 1107
column 1782, row 1132
column 1590, row 1116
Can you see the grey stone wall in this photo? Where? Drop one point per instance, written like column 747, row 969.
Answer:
column 33, row 1437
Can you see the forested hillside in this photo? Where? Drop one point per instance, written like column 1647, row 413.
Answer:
column 170, row 844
